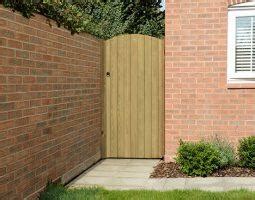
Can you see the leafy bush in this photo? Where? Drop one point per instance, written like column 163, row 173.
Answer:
column 226, row 151
column 198, row 159
column 64, row 13
column 52, row 191
column 107, row 19
column 102, row 18
column 246, row 152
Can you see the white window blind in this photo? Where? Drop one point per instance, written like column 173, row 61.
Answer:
column 245, row 48
column 241, row 44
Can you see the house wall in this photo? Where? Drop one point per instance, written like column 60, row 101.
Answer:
column 50, row 104
column 199, row 102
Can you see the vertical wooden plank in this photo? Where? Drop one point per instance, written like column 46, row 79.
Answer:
column 134, row 62
column 114, row 97
column 155, row 94
column 148, row 96
column 161, row 98
column 102, row 87
column 141, row 99
column 122, row 61
column 134, row 97
column 107, row 97
column 127, row 97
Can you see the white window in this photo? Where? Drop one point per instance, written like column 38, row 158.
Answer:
column 241, row 43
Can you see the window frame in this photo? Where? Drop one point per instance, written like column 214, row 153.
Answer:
column 232, row 75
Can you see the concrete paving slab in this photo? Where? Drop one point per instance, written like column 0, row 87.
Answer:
column 128, row 182
column 124, row 188
column 132, row 174
column 156, row 184
column 93, row 181
column 115, row 162
column 135, row 169
column 232, row 183
column 107, row 168
column 239, row 180
column 121, row 173
column 204, row 182
column 143, row 162
column 101, row 173
column 175, row 184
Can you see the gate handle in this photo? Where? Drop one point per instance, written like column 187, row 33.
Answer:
column 108, row 74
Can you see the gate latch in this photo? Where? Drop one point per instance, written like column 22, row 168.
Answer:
column 108, row 74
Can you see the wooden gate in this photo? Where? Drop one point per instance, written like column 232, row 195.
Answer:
column 134, row 97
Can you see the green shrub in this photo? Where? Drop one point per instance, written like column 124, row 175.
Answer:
column 246, row 152
column 102, row 18
column 64, row 13
column 226, row 151
column 52, row 192
column 198, row 159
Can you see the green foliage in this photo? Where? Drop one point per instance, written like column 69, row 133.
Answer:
column 226, row 151
column 107, row 18
column 246, row 152
column 198, row 159
column 64, row 13
column 52, row 191
column 102, row 18
column 145, row 16
column 152, row 28
column 115, row 17
column 27, row 8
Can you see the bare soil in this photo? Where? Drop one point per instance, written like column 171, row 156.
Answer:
column 172, row 170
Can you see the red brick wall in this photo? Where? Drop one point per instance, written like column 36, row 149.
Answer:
column 50, row 104
column 199, row 103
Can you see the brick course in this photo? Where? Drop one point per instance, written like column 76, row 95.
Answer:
column 50, row 104
column 199, row 103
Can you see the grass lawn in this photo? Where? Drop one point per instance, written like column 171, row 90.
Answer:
column 61, row 193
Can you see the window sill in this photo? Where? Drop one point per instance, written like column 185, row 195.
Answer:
column 241, row 85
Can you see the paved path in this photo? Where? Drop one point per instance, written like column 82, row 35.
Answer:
column 126, row 174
